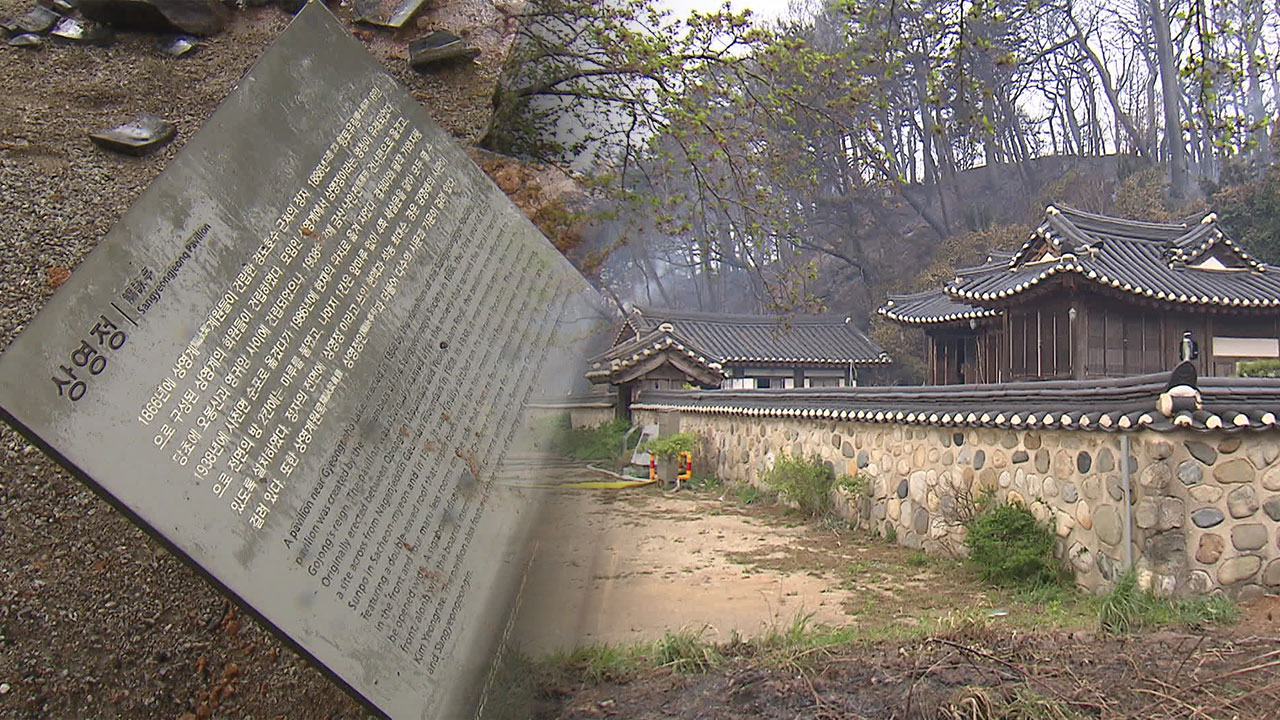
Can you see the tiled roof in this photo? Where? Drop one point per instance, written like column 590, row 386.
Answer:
column 728, row 338
column 931, row 307
column 1160, row 261
column 637, row 350
column 1130, row 403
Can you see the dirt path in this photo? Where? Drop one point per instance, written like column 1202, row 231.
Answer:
column 627, row 565
column 616, row 566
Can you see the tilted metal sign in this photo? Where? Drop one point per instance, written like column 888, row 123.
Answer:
column 300, row 359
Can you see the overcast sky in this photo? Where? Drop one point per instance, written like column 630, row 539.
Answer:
column 764, row 9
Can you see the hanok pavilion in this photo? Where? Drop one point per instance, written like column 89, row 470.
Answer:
column 1090, row 296
column 666, row 349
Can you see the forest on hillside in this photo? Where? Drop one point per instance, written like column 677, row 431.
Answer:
column 860, row 147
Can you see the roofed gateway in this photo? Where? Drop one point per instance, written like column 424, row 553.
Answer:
column 662, row 349
column 1089, row 296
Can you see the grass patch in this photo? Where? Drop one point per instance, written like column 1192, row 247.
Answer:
column 686, row 652
column 682, row 651
column 703, row 482
column 751, row 495
column 1127, row 608
column 1017, row 702
column 918, row 559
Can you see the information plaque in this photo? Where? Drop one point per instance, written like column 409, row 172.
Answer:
column 300, row 360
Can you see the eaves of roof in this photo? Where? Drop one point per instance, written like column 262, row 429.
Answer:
column 1118, row 404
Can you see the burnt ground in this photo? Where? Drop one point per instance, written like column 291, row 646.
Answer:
column 916, row 638
column 971, row 674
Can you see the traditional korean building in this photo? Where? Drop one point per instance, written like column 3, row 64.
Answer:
column 661, row 349
column 1090, row 296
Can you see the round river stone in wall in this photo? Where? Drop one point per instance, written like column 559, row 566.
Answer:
column 1249, row 536
column 1081, row 558
column 1234, row 471
column 1069, row 493
column 979, row 459
column 1189, row 472
column 1238, row 569
column 1106, row 520
column 1063, row 465
column 1201, row 452
column 1271, row 479
column 1020, row 456
column 1106, row 461
column 1035, row 486
column 934, row 455
column 1015, row 498
column 1005, row 479
column 1084, row 516
column 917, row 485
column 1161, row 450
column 903, row 489
column 1242, row 502
column 1009, row 441
column 1042, row 460
column 1031, row 441
column 1092, row 487
column 1115, row 488
column 1050, row 488
column 1272, row 507
column 1271, row 576
column 1145, row 514
column 1156, row 475
column 1083, row 461
column 1199, row 582
column 920, row 521
column 1210, row 549
column 848, row 450
column 1207, row 517
column 1229, row 445
column 1172, row 511
column 948, row 458
column 1206, row 493
column 863, row 459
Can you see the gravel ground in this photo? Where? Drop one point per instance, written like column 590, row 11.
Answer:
column 96, row 619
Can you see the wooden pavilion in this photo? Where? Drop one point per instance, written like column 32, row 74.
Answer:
column 659, row 349
column 1090, row 296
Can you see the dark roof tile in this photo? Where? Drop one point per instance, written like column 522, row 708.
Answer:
column 731, row 338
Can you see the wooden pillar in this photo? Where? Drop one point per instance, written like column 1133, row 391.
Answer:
column 1079, row 335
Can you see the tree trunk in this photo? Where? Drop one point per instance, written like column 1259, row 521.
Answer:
column 1179, row 177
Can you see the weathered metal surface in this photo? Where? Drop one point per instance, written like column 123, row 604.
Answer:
column 300, row 360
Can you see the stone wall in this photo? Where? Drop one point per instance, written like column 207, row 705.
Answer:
column 1205, row 505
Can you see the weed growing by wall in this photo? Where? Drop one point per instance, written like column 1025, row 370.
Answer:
column 1128, row 607
column 1010, row 547
column 670, row 446
column 807, row 483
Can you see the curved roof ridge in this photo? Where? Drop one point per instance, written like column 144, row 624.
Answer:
column 1073, row 213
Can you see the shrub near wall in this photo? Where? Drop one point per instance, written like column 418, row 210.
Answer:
column 1206, row 505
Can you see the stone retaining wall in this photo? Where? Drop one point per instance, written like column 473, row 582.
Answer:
column 1205, row 505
